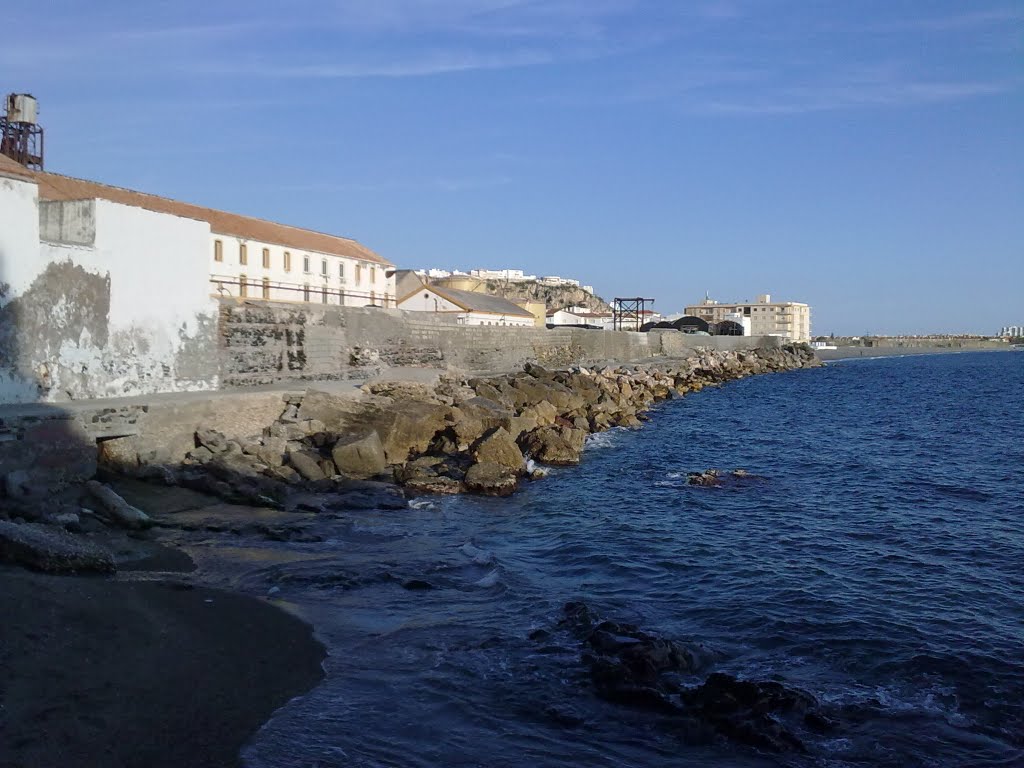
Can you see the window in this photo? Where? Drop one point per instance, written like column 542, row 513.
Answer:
column 266, row 258
column 243, row 254
column 305, row 264
column 323, row 295
column 266, row 288
column 218, row 250
column 373, row 275
column 359, row 273
column 287, row 261
column 243, row 286
column 341, row 298
column 341, row 269
column 305, row 292
column 323, row 267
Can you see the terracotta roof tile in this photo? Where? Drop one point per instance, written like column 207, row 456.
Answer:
column 53, row 186
column 9, row 167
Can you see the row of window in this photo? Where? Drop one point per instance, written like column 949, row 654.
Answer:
column 243, row 260
column 244, row 284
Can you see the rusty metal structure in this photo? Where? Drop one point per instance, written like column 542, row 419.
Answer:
column 628, row 314
column 21, row 136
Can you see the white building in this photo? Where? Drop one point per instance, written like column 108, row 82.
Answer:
column 254, row 258
column 467, row 307
column 581, row 316
column 98, row 298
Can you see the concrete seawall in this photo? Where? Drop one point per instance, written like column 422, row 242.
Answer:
column 266, row 342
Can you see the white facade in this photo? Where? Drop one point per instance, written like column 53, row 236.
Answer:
column 102, row 300
column 581, row 316
column 426, row 299
column 282, row 273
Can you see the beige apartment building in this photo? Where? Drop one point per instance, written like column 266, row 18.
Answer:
column 789, row 319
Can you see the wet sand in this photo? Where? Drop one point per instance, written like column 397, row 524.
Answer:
column 98, row 672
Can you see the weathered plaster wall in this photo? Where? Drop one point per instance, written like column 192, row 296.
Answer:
column 112, row 301
column 264, row 342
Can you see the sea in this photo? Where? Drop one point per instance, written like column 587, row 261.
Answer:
column 875, row 560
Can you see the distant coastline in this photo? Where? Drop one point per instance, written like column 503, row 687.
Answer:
column 855, row 353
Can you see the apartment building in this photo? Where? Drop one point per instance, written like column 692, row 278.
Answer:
column 788, row 319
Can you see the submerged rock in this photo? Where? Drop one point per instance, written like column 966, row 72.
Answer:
column 637, row 669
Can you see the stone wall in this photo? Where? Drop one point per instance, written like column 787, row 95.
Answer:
column 267, row 342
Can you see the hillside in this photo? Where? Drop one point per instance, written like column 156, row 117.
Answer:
column 554, row 296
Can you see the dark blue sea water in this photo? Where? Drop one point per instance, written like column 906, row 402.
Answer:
column 878, row 565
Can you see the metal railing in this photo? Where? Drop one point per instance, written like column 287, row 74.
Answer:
column 271, row 290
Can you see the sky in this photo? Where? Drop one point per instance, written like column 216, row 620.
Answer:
column 865, row 157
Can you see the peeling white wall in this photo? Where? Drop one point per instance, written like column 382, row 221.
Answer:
column 129, row 314
column 19, row 234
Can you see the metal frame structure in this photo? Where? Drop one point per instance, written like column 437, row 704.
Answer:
column 21, row 141
column 628, row 314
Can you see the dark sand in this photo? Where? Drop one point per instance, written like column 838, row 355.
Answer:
column 102, row 673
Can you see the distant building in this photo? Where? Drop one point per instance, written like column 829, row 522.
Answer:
column 467, row 307
column 576, row 316
column 787, row 319
column 1013, row 331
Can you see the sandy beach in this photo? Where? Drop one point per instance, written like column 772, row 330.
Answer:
column 98, row 672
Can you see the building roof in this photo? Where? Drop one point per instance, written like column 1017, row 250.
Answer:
column 53, row 186
column 9, row 167
column 470, row 301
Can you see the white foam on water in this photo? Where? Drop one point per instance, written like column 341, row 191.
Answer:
column 489, row 580
column 477, row 555
column 422, row 504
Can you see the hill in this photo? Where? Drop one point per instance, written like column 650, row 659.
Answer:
column 555, row 297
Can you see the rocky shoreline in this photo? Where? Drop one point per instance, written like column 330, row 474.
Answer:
column 457, row 435
column 326, row 453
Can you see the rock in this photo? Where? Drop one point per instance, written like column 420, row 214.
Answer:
column 491, row 479
column 434, row 484
column 637, row 669
column 498, row 447
column 116, row 508
column 753, row 713
column 212, row 440
column 559, row 446
column 272, row 451
column 307, row 464
column 360, row 457
column 52, row 550
column 709, row 478
column 18, row 484
column 409, row 428
column 283, row 473
column 201, row 454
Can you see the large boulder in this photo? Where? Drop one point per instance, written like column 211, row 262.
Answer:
column 45, row 548
column 499, row 448
column 559, row 446
column 360, row 457
column 407, row 428
column 307, row 464
column 491, row 479
column 476, row 416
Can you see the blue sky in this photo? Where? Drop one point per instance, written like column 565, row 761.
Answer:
column 866, row 157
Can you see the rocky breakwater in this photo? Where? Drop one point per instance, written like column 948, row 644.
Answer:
column 456, row 435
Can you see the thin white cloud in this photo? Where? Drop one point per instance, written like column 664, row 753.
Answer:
column 439, row 63
column 828, row 98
